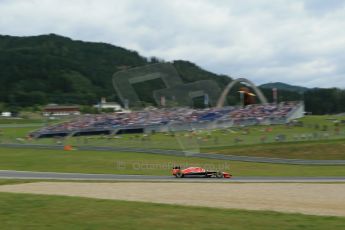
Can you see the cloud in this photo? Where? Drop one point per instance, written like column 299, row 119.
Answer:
column 297, row 42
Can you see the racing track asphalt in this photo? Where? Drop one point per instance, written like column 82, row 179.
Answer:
column 189, row 154
column 12, row 174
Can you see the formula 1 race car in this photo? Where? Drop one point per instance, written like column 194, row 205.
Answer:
column 198, row 172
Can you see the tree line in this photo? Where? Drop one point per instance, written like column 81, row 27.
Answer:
column 38, row 70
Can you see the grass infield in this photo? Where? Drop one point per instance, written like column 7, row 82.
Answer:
column 318, row 138
column 24, row 211
column 314, row 150
column 143, row 164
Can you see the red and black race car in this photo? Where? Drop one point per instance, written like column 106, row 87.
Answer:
column 198, row 172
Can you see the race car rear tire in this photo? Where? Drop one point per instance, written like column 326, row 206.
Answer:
column 179, row 174
column 219, row 175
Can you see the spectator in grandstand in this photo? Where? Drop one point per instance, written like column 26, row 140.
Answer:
column 249, row 115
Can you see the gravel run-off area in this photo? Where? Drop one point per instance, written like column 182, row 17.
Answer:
column 314, row 199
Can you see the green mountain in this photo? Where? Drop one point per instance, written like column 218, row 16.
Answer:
column 316, row 100
column 50, row 68
column 54, row 69
column 283, row 86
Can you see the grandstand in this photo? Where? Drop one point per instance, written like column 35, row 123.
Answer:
column 174, row 119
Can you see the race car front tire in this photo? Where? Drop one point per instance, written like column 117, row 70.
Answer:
column 179, row 174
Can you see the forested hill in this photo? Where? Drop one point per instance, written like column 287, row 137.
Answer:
column 283, row 86
column 51, row 68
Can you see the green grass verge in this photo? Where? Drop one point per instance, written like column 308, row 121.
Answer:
column 10, row 134
column 19, row 121
column 311, row 141
column 316, row 150
column 23, row 211
column 143, row 164
column 14, row 181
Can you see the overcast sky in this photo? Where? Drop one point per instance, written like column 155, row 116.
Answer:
column 296, row 42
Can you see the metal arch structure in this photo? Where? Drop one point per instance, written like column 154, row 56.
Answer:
column 227, row 89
